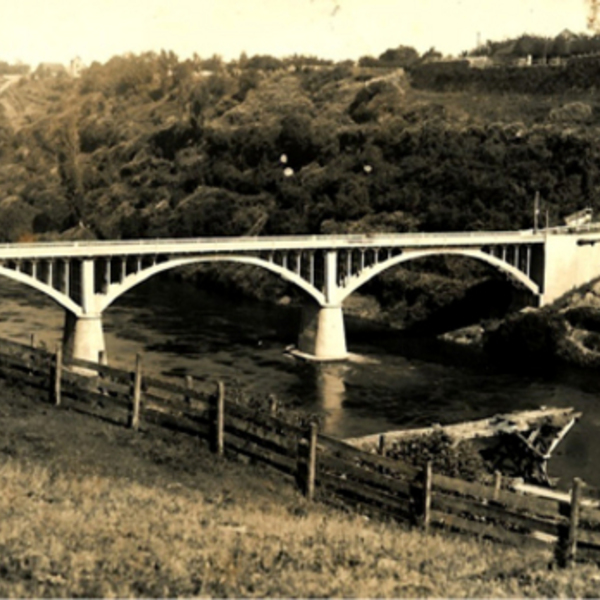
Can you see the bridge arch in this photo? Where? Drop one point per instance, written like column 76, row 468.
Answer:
column 118, row 289
column 370, row 272
column 61, row 299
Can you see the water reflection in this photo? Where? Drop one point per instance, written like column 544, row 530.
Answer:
column 331, row 392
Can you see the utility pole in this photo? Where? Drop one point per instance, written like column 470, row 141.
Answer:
column 536, row 212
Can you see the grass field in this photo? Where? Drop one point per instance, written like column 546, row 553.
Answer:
column 89, row 508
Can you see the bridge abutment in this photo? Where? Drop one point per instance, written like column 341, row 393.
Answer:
column 83, row 338
column 322, row 333
column 570, row 262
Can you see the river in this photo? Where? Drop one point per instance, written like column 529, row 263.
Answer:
column 395, row 381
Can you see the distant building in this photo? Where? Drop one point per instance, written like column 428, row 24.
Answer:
column 479, row 62
column 581, row 217
column 76, row 67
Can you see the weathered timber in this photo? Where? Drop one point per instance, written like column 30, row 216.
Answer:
column 500, row 515
column 174, row 388
column 116, row 388
column 590, row 492
column 74, row 382
column 175, row 407
column 136, row 395
column 333, row 446
column 175, row 423
column 256, row 451
column 483, row 428
column 542, row 492
column 349, row 470
column 94, row 405
column 58, row 367
column 263, row 419
column 427, row 484
column 219, row 439
column 588, row 554
column 540, row 506
column 330, row 496
column 493, row 532
column 313, row 432
column 585, row 536
column 497, row 484
column 117, row 374
column 41, row 381
column 24, row 364
column 570, row 549
column 281, row 443
column 589, row 514
column 392, row 504
column 19, row 346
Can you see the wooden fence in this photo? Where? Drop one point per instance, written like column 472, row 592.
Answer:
column 326, row 469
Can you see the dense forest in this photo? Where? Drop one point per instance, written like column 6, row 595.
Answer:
column 151, row 146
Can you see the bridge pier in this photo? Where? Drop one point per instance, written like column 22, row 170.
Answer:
column 83, row 338
column 322, row 334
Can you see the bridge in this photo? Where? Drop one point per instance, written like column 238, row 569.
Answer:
column 85, row 277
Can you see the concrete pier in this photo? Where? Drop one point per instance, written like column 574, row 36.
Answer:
column 83, row 338
column 322, row 333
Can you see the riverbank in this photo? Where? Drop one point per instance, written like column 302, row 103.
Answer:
column 92, row 509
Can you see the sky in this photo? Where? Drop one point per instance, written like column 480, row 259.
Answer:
column 36, row 31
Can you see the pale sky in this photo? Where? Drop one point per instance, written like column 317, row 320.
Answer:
column 58, row 30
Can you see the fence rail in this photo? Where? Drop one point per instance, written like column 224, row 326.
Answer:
column 325, row 468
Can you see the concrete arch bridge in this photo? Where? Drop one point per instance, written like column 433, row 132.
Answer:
column 86, row 277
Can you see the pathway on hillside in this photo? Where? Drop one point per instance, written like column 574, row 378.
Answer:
column 9, row 110
column 8, row 81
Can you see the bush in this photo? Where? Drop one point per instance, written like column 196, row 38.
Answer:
column 447, row 457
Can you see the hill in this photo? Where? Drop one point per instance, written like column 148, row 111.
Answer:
column 150, row 146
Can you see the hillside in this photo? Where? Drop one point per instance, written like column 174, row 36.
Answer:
column 91, row 509
column 149, row 146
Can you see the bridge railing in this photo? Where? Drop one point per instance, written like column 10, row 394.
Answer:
column 326, row 469
column 327, row 238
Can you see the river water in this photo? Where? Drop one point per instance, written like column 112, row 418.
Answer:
column 395, row 381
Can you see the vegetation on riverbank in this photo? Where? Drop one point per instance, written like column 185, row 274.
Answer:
column 151, row 146
column 565, row 332
column 92, row 509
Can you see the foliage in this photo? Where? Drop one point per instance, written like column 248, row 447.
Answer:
column 448, row 457
column 149, row 145
column 531, row 340
column 402, row 56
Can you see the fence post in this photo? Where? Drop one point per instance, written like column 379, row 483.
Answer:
column 32, row 356
column 311, row 470
column 497, row 484
column 58, row 366
column 571, row 546
column 219, row 441
column 381, row 445
column 427, row 481
column 134, row 420
column 189, row 384
column 273, row 405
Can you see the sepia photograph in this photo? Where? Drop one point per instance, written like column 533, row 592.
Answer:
column 300, row 299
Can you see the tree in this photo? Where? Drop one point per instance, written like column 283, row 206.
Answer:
column 402, row 56
column 431, row 55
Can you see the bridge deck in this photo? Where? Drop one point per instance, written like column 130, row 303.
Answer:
column 254, row 244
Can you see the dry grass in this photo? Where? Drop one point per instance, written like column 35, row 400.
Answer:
column 91, row 509
column 90, row 535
